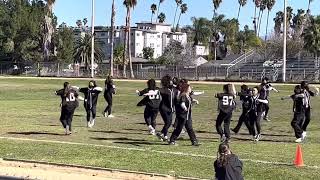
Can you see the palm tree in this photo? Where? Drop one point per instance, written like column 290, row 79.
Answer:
column 308, row 11
column 153, row 9
column 241, row 4
column 270, row 4
column 160, row 1
column 127, row 44
column 263, row 6
column 178, row 2
column 113, row 19
column 48, row 30
column 85, row 21
column 162, row 17
column 278, row 20
column 79, row 23
column 311, row 37
column 257, row 5
column 201, row 27
column 216, row 5
column 82, row 51
column 183, row 10
column 298, row 23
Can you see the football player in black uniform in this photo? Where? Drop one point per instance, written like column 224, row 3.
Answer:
column 265, row 89
column 152, row 101
column 69, row 102
column 168, row 94
column 91, row 94
column 246, row 99
column 299, row 112
column 307, row 106
column 226, row 105
column 256, row 114
column 184, row 115
column 108, row 92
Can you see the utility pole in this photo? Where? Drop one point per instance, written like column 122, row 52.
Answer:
column 284, row 43
column 92, row 40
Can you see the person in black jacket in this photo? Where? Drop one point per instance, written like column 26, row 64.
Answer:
column 307, row 106
column 91, row 94
column 108, row 92
column 226, row 105
column 69, row 102
column 265, row 89
column 184, row 115
column 227, row 165
column 246, row 99
column 152, row 101
column 299, row 112
column 168, row 93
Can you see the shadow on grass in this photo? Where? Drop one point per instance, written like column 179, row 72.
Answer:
column 35, row 133
column 114, row 132
column 129, row 141
column 263, row 140
column 54, row 125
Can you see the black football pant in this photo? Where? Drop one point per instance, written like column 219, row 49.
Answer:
column 307, row 119
column 226, row 119
column 92, row 111
column 255, row 122
column 296, row 124
column 167, row 119
column 267, row 107
column 181, row 122
column 244, row 118
column 150, row 116
column 66, row 117
column 108, row 98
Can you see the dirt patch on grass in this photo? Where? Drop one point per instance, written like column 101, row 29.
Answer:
column 49, row 172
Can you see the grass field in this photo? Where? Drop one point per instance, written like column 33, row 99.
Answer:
column 30, row 111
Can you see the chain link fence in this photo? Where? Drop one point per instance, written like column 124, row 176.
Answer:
column 147, row 71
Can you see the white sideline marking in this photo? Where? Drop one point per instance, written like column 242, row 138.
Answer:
column 149, row 150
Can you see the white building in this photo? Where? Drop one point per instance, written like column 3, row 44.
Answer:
column 145, row 34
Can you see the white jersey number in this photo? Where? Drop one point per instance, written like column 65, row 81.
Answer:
column 227, row 100
column 155, row 94
column 71, row 98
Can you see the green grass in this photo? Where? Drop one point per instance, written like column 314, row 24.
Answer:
column 29, row 109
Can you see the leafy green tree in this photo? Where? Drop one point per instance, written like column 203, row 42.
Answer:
column 65, row 44
column 148, row 53
column 311, row 37
column 162, row 17
column 202, row 31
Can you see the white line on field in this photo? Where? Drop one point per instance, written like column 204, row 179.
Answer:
column 148, row 150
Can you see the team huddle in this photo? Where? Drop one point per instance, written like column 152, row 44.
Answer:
column 175, row 97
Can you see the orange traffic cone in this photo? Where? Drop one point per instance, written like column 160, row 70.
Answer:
column 298, row 162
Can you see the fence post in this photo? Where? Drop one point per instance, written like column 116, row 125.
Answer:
column 239, row 73
column 197, row 72
column 58, row 74
column 304, row 73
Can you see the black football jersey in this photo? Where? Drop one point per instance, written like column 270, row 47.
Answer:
column 247, row 101
column 226, row 102
column 298, row 103
column 151, row 101
column 168, row 99
column 68, row 100
column 90, row 96
column 187, row 100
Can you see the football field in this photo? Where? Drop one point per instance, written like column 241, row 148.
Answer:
column 30, row 130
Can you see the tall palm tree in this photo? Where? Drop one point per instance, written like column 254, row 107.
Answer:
column 48, row 30
column 178, row 2
column 153, row 9
column 160, row 2
column 162, row 17
column 183, row 10
column 278, row 20
column 82, row 51
column 257, row 5
column 128, row 4
column 216, row 5
column 270, row 4
column 113, row 19
column 241, row 4
column 85, row 21
column 263, row 6
column 79, row 23
column 311, row 37
column 308, row 11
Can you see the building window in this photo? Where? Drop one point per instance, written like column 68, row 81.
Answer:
column 158, row 45
column 138, row 44
column 138, row 34
column 131, row 34
column 103, row 34
column 117, row 34
column 152, row 45
column 159, row 36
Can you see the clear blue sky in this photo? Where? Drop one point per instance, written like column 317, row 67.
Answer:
column 71, row 10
